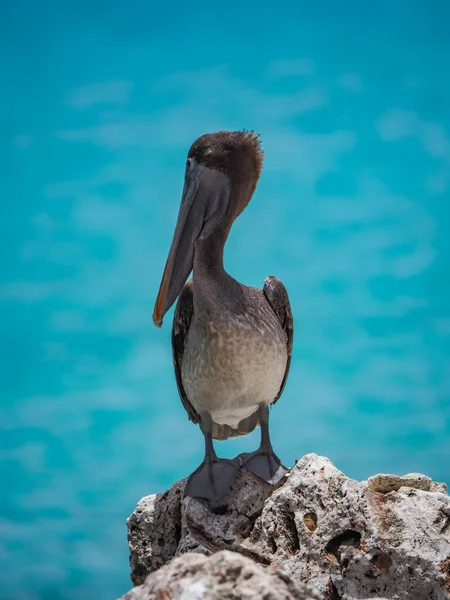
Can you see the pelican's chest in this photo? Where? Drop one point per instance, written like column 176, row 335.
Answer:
column 238, row 358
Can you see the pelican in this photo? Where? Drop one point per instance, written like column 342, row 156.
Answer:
column 231, row 343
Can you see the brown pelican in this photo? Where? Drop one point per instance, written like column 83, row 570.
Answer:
column 231, row 343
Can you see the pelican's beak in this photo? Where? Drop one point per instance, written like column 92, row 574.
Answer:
column 203, row 205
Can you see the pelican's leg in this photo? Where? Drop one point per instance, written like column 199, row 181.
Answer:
column 264, row 462
column 213, row 478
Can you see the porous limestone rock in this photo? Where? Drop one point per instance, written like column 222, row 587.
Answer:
column 392, row 483
column 223, row 576
column 388, row 536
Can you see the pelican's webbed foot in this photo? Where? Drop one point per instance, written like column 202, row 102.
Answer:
column 212, row 479
column 264, row 463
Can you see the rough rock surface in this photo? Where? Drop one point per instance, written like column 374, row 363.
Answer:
column 223, row 576
column 392, row 483
column 388, row 536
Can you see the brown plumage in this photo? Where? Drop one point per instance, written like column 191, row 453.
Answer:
column 276, row 295
column 232, row 344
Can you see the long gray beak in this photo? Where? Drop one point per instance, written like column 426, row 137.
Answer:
column 204, row 202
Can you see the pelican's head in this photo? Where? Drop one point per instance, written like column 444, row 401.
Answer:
column 222, row 170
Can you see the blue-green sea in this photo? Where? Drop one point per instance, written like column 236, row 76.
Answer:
column 100, row 102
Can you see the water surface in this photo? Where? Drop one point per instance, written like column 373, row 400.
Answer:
column 99, row 107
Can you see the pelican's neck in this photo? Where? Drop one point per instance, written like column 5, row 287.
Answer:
column 215, row 291
column 211, row 282
column 208, row 256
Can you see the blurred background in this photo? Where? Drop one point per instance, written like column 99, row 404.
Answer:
column 99, row 105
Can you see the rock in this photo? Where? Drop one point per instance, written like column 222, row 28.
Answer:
column 223, row 576
column 154, row 531
column 437, row 486
column 387, row 537
column 322, row 526
column 164, row 525
column 392, row 483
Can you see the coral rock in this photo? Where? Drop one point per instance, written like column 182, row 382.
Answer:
column 223, row 576
column 387, row 537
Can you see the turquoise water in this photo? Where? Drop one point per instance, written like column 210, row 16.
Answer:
column 98, row 108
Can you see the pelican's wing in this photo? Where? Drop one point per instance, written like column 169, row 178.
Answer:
column 180, row 328
column 277, row 297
